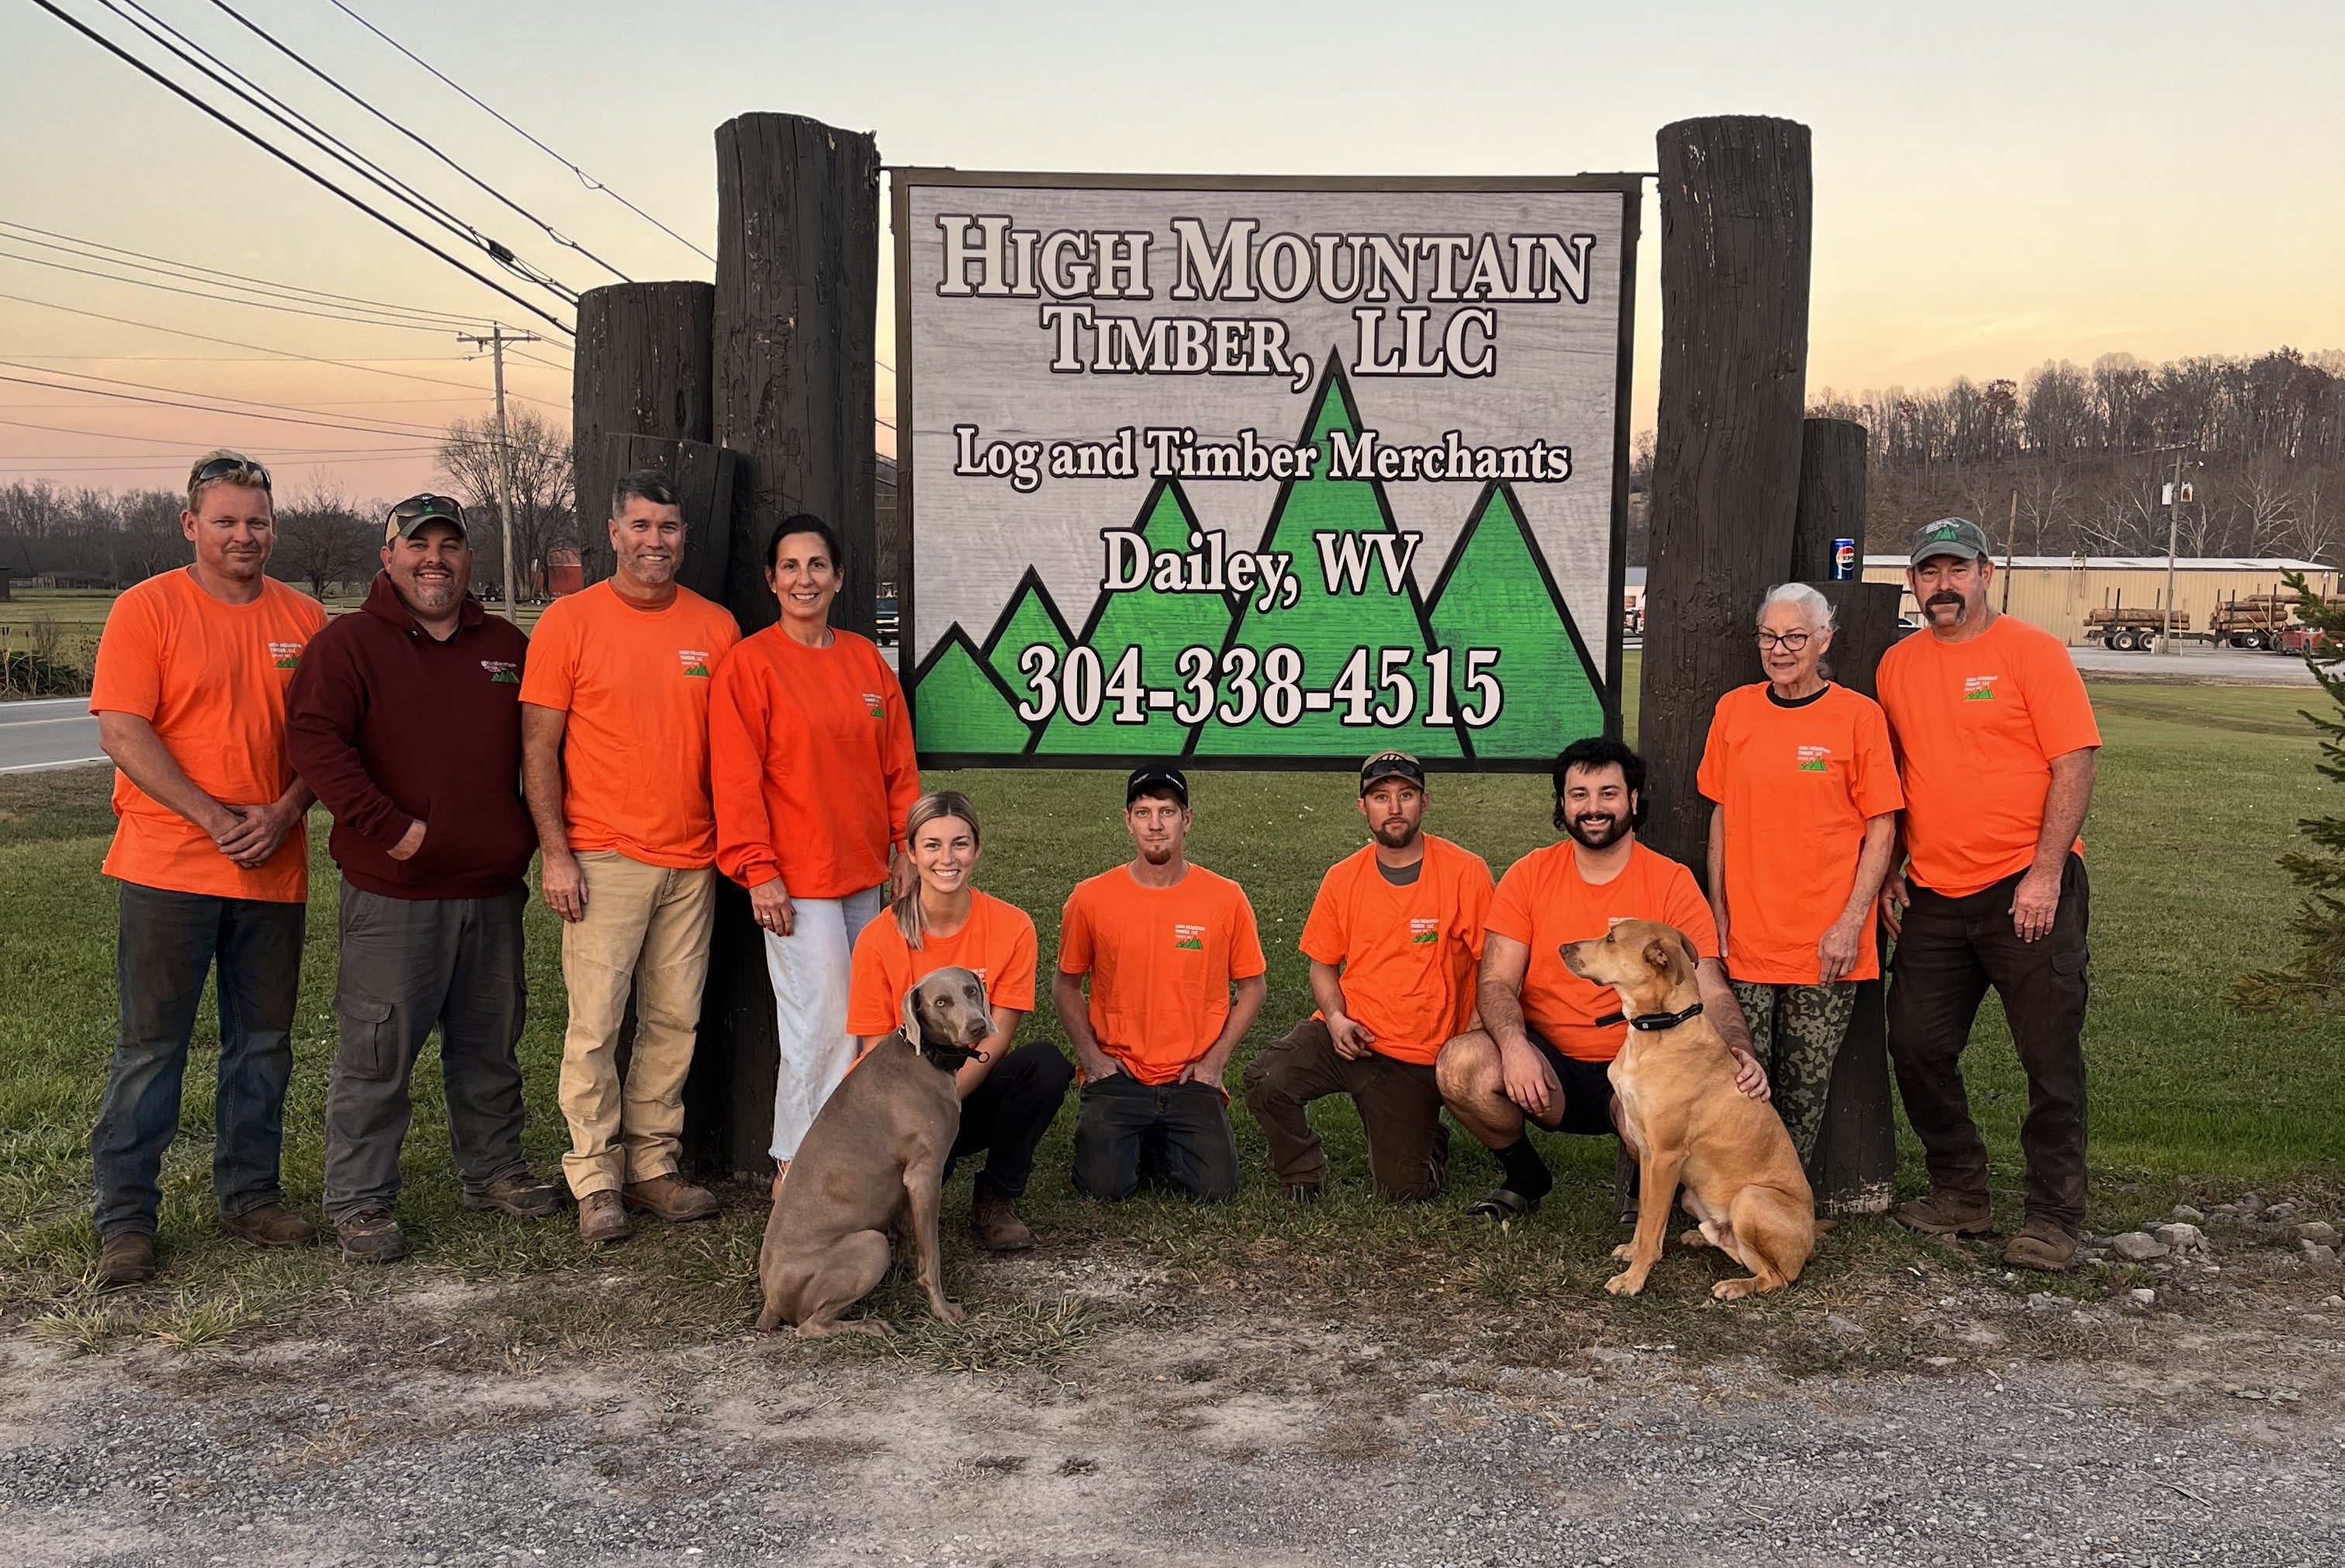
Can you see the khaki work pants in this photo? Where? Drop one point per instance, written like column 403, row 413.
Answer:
column 647, row 927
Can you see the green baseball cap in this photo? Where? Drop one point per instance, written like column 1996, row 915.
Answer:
column 1956, row 537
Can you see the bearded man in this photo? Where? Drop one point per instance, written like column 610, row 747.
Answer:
column 1548, row 1037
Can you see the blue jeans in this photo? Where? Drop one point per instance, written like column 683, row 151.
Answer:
column 169, row 943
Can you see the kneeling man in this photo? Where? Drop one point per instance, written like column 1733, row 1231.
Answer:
column 1176, row 979
column 1548, row 1037
column 1394, row 939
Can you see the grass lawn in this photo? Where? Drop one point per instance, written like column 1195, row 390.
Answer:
column 2200, row 789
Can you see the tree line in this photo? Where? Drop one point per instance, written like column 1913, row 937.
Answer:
column 327, row 540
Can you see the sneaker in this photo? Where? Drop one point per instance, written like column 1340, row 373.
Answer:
column 1300, row 1192
column 602, row 1217
column 518, row 1194
column 1945, row 1212
column 127, row 1257
column 270, row 1225
column 997, row 1225
column 671, row 1198
column 370, row 1235
column 2041, row 1245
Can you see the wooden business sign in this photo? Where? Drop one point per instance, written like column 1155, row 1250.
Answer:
column 1261, row 472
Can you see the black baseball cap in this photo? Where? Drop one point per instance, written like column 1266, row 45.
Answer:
column 1156, row 781
column 1391, row 765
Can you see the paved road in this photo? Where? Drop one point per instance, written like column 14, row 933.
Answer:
column 49, row 733
column 2193, row 666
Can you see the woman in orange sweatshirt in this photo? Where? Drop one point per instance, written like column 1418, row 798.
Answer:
column 811, row 765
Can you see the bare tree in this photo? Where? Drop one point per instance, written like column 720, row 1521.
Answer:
column 322, row 540
column 544, row 507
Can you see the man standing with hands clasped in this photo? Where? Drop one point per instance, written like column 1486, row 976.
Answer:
column 406, row 720
column 1996, row 742
column 1176, row 979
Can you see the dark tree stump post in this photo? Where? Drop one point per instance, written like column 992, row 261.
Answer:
column 1735, row 214
column 798, row 282
column 1831, row 496
column 642, row 368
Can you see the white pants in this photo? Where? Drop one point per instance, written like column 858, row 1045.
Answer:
column 809, row 972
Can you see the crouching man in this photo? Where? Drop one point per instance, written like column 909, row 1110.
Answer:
column 1548, row 1037
column 1394, row 939
column 1176, row 979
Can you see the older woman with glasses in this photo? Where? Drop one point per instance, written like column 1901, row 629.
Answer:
column 1802, row 825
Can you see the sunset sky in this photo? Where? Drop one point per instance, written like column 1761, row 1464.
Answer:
column 1997, row 185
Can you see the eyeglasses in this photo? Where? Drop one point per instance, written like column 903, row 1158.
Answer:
column 242, row 468
column 1790, row 642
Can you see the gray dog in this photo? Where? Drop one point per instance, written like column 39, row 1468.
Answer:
column 875, row 1155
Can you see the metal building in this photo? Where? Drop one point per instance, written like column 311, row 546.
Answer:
column 2056, row 592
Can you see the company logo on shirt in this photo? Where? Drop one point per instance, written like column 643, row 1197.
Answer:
column 502, row 672
column 1190, row 938
column 286, row 655
column 695, row 661
column 1814, row 759
column 1979, row 688
column 871, row 701
column 1423, row 929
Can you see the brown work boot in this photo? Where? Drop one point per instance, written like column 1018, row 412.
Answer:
column 270, row 1225
column 671, row 1199
column 998, row 1226
column 370, row 1235
column 602, row 1217
column 127, row 1257
column 1945, row 1212
column 2041, row 1245
column 518, row 1194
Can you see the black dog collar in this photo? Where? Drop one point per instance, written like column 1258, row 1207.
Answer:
column 949, row 1058
column 1651, row 1023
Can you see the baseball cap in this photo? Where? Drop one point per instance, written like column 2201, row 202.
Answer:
column 417, row 510
column 1153, row 780
column 1391, row 765
column 1957, row 536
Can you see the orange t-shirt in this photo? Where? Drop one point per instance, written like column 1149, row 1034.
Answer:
column 1977, row 724
column 1543, row 904
column 1797, row 784
column 1409, row 954
column 1161, row 961
column 634, row 752
column 810, row 754
column 997, row 945
column 211, row 678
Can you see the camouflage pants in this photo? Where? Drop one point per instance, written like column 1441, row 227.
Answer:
column 1795, row 1032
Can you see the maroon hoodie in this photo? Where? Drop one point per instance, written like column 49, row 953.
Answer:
column 392, row 726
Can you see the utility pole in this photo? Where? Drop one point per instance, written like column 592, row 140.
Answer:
column 2173, row 531
column 495, row 343
column 2010, row 538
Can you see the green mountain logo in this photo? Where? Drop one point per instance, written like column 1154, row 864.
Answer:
column 1496, row 592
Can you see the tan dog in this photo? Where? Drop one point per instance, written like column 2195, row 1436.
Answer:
column 875, row 1157
column 1687, row 1123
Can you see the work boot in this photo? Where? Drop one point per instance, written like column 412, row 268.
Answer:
column 518, row 1194
column 370, row 1235
column 2041, row 1245
column 127, row 1257
column 1945, row 1212
column 671, row 1199
column 602, row 1217
column 270, row 1225
column 997, row 1225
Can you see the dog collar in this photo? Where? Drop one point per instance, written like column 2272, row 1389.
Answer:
column 1649, row 1023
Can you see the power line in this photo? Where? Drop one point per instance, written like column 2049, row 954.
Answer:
column 221, row 299
column 111, row 47
column 584, row 178
column 234, row 344
column 419, row 428
column 551, row 232
column 206, row 408
column 229, row 76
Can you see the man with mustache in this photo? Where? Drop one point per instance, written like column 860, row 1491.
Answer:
column 1395, row 938
column 1995, row 745
column 405, row 719
column 1549, row 1036
column 615, row 761
column 211, row 850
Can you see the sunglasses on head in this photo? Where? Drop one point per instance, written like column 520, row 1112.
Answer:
column 417, row 507
column 226, row 467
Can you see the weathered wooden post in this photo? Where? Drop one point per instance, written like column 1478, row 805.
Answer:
column 1831, row 496
column 642, row 368
column 797, row 298
column 1735, row 213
